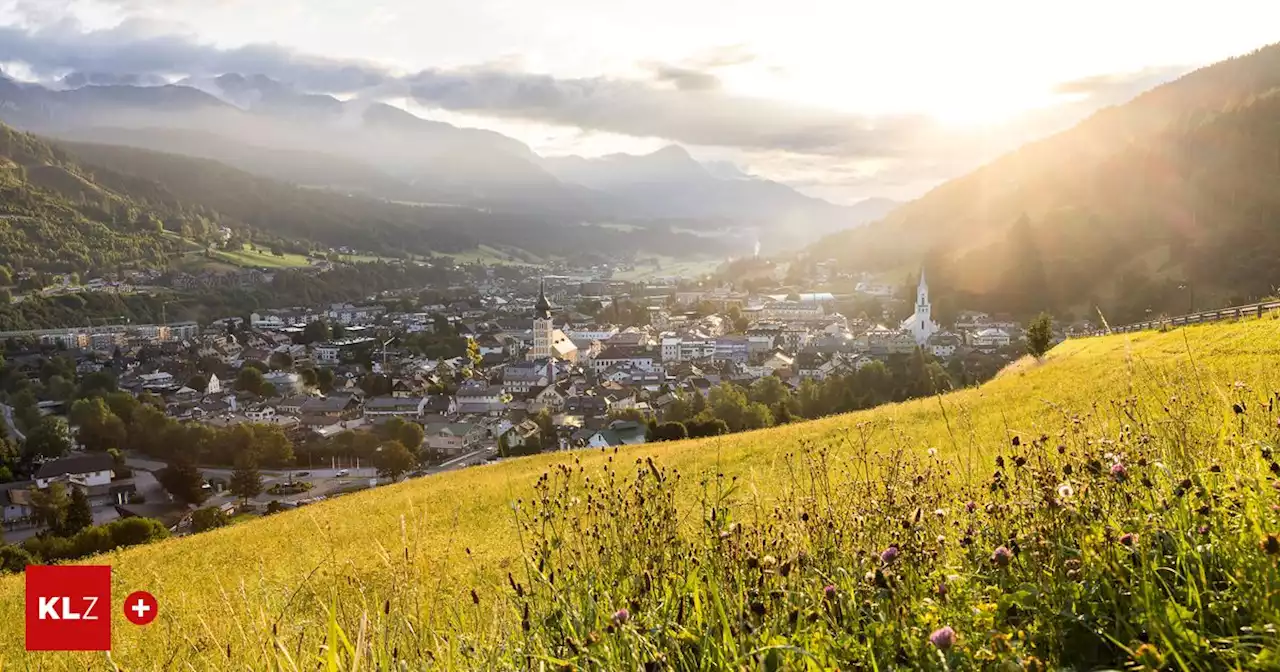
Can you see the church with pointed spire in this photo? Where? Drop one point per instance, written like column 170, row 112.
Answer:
column 548, row 342
column 921, row 325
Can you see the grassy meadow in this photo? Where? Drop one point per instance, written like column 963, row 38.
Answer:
column 1111, row 507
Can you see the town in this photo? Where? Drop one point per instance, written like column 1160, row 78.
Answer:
column 195, row 424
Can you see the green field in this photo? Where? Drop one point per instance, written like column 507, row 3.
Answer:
column 491, row 256
column 765, row 551
column 261, row 258
column 666, row 267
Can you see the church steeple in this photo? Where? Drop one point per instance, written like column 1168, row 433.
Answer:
column 542, row 309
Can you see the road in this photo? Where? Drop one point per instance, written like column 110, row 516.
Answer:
column 324, row 481
column 7, row 412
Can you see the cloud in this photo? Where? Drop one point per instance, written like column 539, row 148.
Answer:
column 825, row 150
column 1118, row 87
column 681, row 103
column 685, row 79
column 138, row 47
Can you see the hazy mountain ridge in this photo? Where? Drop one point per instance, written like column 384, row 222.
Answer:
column 385, row 152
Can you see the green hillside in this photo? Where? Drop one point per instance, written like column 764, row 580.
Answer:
column 55, row 218
column 1177, row 187
column 529, row 561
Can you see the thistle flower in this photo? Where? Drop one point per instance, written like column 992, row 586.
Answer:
column 1270, row 544
column 1118, row 471
column 1001, row 556
column 1127, row 539
column 943, row 638
column 889, row 555
column 971, row 506
column 829, row 591
column 621, row 616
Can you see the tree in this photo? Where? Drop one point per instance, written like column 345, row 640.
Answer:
column 207, row 519
column 99, row 428
column 769, row 391
column 394, row 460
column 473, row 353
column 98, row 383
column 49, row 507
column 198, row 382
column 309, row 377
column 79, row 515
column 183, row 480
column 338, row 332
column 315, row 332
column 728, row 403
column 411, row 435
column 670, row 431
column 1040, row 335
column 250, row 380
column 48, row 440
column 758, row 416
column 324, row 380
column 246, row 482
column 282, row 361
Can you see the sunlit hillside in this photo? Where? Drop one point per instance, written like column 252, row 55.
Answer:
column 434, row 569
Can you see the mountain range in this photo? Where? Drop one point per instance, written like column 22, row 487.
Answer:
column 1168, row 201
column 270, row 129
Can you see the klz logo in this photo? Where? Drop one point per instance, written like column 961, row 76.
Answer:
column 68, row 608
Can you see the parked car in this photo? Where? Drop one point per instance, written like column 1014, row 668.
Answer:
column 344, row 472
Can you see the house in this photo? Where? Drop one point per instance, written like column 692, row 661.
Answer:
column 521, row 435
column 292, row 405
column 549, row 397
column 619, row 433
column 157, row 380
column 777, row 362
column 479, row 397
column 524, row 377
column 91, row 469
column 809, row 365
column 944, row 345
column 398, row 407
column 340, row 406
column 614, row 356
column 991, row 338
column 262, row 414
column 452, row 438
column 16, row 500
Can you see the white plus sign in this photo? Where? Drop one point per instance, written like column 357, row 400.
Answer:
column 141, row 608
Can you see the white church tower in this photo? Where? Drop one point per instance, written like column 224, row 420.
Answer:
column 543, row 326
column 921, row 324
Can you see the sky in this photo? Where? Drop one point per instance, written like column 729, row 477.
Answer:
column 842, row 99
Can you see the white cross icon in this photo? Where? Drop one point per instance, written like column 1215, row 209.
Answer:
column 141, row 608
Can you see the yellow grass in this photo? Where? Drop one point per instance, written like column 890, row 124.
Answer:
column 222, row 593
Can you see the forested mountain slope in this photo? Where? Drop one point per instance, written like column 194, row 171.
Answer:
column 1180, row 186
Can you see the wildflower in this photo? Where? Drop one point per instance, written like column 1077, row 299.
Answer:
column 889, row 555
column 621, row 616
column 1001, row 556
column 1033, row 664
column 1270, row 544
column 829, row 591
column 943, row 638
column 768, row 561
column 933, row 452
column 1065, row 491
column 941, row 513
column 1148, row 657
column 1127, row 539
column 1118, row 471
column 971, row 506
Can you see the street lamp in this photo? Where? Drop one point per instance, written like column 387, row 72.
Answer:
column 1191, row 296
